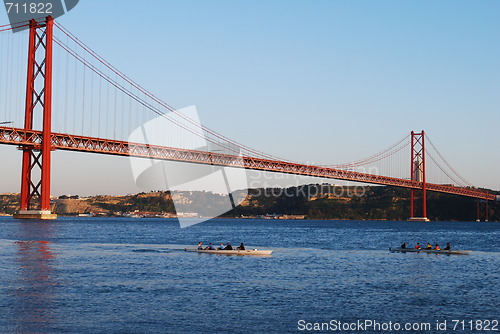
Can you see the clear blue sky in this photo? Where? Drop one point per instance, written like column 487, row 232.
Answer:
column 324, row 81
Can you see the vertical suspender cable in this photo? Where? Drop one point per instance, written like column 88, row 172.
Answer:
column 83, row 101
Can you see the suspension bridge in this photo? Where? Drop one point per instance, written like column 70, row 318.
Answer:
column 75, row 100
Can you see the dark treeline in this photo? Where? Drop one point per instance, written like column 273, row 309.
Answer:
column 369, row 202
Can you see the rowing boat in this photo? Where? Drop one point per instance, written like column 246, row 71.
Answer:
column 231, row 252
column 431, row 251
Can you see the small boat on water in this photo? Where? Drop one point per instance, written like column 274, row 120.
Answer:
column 231, row 252
column 431, row 251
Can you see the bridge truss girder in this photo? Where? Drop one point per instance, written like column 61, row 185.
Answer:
column 33, row 138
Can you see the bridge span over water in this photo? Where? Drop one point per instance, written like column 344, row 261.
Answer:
column 37, row 141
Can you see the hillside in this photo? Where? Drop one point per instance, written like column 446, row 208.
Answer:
column 313, row 201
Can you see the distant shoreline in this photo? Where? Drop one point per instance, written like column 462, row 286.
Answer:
column 265, row 220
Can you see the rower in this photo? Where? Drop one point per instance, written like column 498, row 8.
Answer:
column 448, row 246
column 200, row 245
column 210, row 247
column 429, row 246
column 403, row 246
column 417, row 246
column 437, row 247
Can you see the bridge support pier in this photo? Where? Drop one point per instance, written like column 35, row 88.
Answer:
column 418, row 219
column 418, row 174
column 35, row 178
column 33, row 214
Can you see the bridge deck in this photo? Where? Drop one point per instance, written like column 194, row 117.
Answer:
column 14, row 136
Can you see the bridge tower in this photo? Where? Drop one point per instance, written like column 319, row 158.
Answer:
column 35, row 178
column 418, row 174
column 482, row 209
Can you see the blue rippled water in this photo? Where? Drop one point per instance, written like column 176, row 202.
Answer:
column 117, row 275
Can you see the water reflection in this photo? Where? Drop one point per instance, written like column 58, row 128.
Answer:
column 33, row 296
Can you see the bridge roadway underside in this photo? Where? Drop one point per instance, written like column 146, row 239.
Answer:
column 33, row 139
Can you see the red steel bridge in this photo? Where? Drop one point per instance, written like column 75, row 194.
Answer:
column 37, row 138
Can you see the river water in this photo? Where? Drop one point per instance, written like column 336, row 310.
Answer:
column 120, row 275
